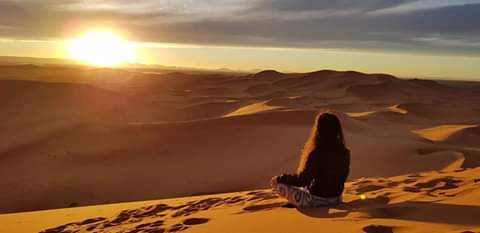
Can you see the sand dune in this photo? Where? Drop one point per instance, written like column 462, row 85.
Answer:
column 466, row 137
column 214, row 160
column 252, row 109
column 390, row 109
column 269, row 74
column 360, row 114
column 397, row 109
column 95, row 133
column 441, row 133
column 422, row 202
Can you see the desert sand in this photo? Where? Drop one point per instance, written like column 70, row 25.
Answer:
column 80, row 136
column 445, row 201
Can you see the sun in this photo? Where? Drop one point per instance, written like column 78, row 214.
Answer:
column 102, row 48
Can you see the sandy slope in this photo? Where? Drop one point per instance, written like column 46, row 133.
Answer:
column 77, row 136
column 441, row 133
column 178, row 159
column 444, row 201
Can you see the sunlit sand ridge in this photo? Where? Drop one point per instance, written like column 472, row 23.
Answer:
column 397, row 109
column 252, row 109
column 442, row 132
column 394, row 108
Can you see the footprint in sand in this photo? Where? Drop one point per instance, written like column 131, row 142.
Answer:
column 415, row 176
column 255, row 208
column 125, row 216
column 430, row 187
column 378, row 229
column 195, row 221
column 158, row 212
column 372, row 186
column 369, row 188
column 205, row 204
column 409, row 181
column 362, row 182
column 261, row 196
column 152, row 227
column 177, row 227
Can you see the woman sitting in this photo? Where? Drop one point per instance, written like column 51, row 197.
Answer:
column 323, row 167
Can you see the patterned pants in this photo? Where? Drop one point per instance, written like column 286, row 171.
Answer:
column 301, row 197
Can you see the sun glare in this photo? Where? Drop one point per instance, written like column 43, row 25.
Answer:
column 102, row 48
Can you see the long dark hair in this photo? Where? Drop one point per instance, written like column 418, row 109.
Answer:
column 326, row 136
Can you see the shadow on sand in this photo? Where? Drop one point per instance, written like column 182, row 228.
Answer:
column 434, row 212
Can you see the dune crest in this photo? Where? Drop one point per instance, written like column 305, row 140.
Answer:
column 397, row 109
column 360, row 114
column 252, row 109
column 442, row 132
column 394, row 108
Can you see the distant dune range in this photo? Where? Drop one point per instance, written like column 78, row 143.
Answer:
column 80, row 136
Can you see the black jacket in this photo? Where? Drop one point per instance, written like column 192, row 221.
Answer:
column 324, row 175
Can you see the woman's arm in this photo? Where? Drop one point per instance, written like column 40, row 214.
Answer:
column 301, row 179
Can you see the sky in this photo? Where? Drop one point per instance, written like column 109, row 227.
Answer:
column 412, row 38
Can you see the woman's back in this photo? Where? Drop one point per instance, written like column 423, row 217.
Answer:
column 329, row 174
column 323, row 175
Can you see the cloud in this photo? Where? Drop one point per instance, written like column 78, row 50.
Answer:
column 44, row 19
column 352, row 24
column 397, row 31
column 344, row 5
